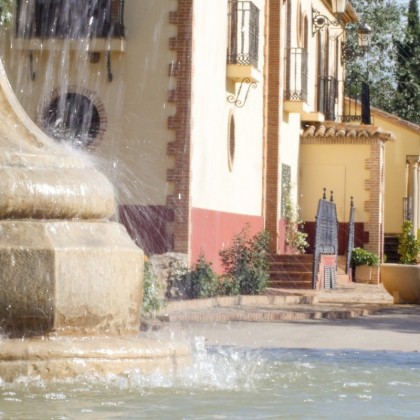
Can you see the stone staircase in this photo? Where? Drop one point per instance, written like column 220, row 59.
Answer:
column 291, row 271
column 295, row 271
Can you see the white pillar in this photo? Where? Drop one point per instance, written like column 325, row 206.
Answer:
column 412, row 190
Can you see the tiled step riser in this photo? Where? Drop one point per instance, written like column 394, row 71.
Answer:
column 292, row 258
column 291, row 276
column 290, row 267
column 291, row 284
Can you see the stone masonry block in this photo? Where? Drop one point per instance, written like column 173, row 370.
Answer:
column 69, row 277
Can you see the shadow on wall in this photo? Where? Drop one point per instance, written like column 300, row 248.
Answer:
column 149, row 227
column 361, row 237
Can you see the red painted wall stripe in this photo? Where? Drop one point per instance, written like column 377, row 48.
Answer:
column 214, row 230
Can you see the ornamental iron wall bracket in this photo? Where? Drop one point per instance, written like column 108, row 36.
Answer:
column 241, row 97
column 320, row 22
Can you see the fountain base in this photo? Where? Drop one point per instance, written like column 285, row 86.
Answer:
column 60, row 358
column 69, row 277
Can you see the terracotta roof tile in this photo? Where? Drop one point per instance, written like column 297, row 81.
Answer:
column 339, row 130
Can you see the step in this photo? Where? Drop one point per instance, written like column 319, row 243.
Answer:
column 291, row 284
column 292, row 266
column 291, row 258
column 291, row 275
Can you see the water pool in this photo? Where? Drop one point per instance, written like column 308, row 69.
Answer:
column 232, row 383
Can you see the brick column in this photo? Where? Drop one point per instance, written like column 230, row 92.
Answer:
column 180, row 149
column 272, row 118
column 375, row 205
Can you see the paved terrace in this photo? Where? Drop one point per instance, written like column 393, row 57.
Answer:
column 282, row 305
column 355, row 316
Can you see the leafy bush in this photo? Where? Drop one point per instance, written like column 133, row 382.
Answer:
column 362, row 256
column 228, row 286
column 199, row 282
column 6, row 7
column 177, row 283
column 152, row 301
column 408, row 245
column 296, row 239
column 246, row 263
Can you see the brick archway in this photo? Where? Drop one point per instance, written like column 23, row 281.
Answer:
column 88, row 98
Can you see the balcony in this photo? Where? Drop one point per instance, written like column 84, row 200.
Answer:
column 296, row 81
column 356, row 102
column 327, row 95
column 45, row 24
column 242, row 54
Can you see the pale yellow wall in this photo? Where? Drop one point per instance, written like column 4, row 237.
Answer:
column 291, row 122
column 407, row 142
column 214, row 185
column 340, row 168
column 133, row 152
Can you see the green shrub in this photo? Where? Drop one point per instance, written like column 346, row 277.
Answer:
column 201, row 281
column 228, row 286
column 177, row 287
column 296, row 239
column 408, row 245
column 152, row 301
column 6, row 7
column 246, row 263
column 362, row 256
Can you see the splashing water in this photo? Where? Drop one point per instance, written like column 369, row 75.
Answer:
column 228, row 382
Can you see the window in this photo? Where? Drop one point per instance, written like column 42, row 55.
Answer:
column 231, row 141
column 243, row 33
column 74, row 118
column 70, row 18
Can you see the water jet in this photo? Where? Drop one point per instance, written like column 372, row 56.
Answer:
column 71, row 278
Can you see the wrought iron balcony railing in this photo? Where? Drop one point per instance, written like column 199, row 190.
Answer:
column 243, row 33
column 356, row 102
column 70, row 19
column 296, row 75
column 327, row 94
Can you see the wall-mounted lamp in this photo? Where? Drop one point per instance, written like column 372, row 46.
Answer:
column 364, row 37
column 339, row 6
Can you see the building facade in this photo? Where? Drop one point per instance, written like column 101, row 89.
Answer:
column 204, row 114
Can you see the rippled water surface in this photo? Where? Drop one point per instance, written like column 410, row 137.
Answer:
column 235, row 383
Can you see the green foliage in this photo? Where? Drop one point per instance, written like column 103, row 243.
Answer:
column 6, row 7
column 408, row 69
column 199, row 282
column 295, row 238
column 390, row 65
column 228, row 286
column 362, row 256
column 246, row 263
column 176, row 282
column 408, row 245
column 152, row 301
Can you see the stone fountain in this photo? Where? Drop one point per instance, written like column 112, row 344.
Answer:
column 70, row 278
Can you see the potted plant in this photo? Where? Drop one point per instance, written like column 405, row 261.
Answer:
column 363, row 261
column 402, row 281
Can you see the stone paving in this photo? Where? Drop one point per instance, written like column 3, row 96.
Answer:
column 344, row 302
column 356, row 316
